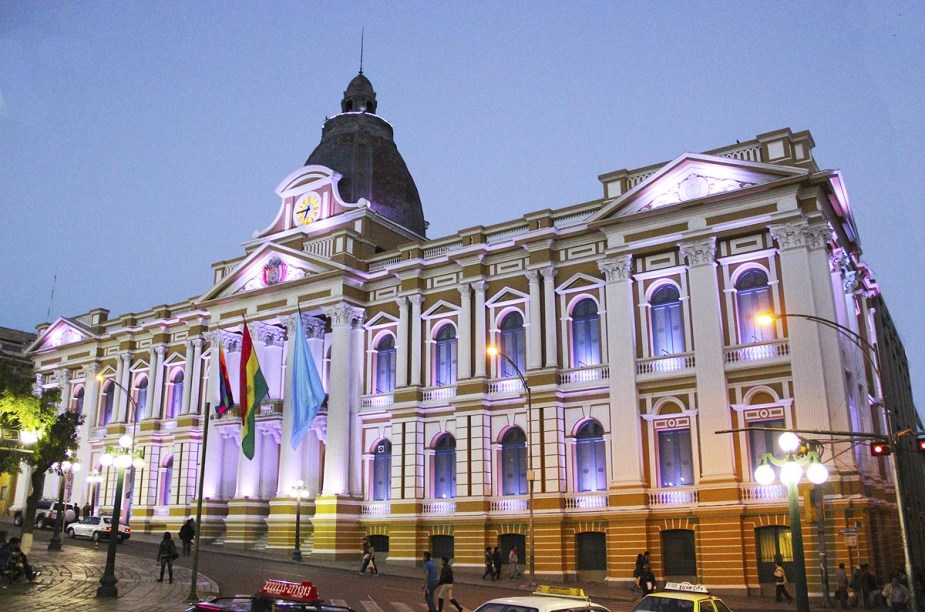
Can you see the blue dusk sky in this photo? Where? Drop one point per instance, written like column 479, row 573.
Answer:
column 142, row 141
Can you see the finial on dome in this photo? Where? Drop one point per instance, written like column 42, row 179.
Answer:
column 362, row 33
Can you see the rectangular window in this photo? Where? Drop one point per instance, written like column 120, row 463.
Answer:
column 675, row 459
column 667, row 333
column 678, row 552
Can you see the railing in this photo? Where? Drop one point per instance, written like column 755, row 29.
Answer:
column 749, row 153
column 508, row 504
column 571, row 220
column 376, row 509
column 635, row 179
column 439, row 393
column 757, row 492
column 384, row 263
column 668, row 363
column 673, row 497
column 586, row 501
column 378, row 400
column 506, row 234
column 585, row 374
column 321, row 248
column 506, row 385
column 443, row 249
column 439, row 507
column 759, row 351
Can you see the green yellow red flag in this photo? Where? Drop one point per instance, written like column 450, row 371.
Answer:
column 253, row 389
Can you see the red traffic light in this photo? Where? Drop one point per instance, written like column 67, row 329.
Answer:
column 879, row 449
column 920, row 444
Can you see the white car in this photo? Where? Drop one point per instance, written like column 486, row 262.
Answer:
column 544, row 599
column 97, row 528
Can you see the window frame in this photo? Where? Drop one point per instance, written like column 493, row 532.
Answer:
column 760, row 298
column 514, row 453
column 444, row 461
column 581, row 325
column 596, row 453
column 512, row 341
column 383, row 357
column 446, row 355
column 672, row 311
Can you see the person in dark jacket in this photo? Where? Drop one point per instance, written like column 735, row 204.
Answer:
column 647, row 580
column 166, row 553
column 496, row 562
column 187, row 533
column 446, row 586
column 637, row 571
column 489, row 564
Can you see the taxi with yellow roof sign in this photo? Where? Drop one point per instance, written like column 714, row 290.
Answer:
column 681, row 597
column 544, row 599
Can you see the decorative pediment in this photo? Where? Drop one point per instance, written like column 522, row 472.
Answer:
column 440, row 309
column 63, row 331
column 381, row 319
column 578, row 282
column 507, row 296
column 271, row 264
column 693, row 177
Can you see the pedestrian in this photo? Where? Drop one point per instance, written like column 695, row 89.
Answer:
column 430, row 582
column 637, row 571
column 497, row 563
column 166, row 553
column 374, row 570
column 87, row 509
column 16, row 557
column 365, row 547
column 513, row 558
column 187, row 533
column 446, row 586
column 841, row 586
column 489, row 565
column 896, row 595
column 646, row 580
column 780, row 579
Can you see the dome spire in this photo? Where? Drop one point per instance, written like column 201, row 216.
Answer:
column 360, row 96
column 362, row 33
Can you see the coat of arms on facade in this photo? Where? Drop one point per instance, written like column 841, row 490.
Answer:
column 274, row 272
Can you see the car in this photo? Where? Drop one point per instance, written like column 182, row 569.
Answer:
column 275, row 595
column 45, row 514
column 544, row 599
column 681, row 597
column 96, row 528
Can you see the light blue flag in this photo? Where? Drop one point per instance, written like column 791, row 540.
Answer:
column 307, row 390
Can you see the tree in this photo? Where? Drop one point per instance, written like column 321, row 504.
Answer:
column 58, row 433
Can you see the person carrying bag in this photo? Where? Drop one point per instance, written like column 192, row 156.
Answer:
column 166, row 553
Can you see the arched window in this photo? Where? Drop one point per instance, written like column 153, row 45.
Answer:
column 141, row 397
column 512, row 344
column 175, row 402
column 586, row 334
column 753, row 298
column 675, row 463
column 445, row 362
column 382, row 471
column 166, row 478
column 109, row 389
column 667, row 331
column 385, row 365
column 77, row 403
column 445, row 467
column 514, row 462
column 591, row 462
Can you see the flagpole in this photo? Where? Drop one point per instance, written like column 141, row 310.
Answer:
column 193, row 596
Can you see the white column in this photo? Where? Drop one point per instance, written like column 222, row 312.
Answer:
column 627, row 458
column 549, row 305
column 187, row 375
column 156, row 384
column 116, row 391
column 401, row 350
column 357, row 336
column 534, row 336
column 416, row 301
column 63, row 377
column 196, row 379
column 337, row 449
column 125, row 361
column 464, row 337
column 480, row 288
column 91, row 392
column 311, row 448
column 709, row 373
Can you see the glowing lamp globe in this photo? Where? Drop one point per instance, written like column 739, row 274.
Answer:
column 788, row 442
column 125, row 441
column 123, row 461
column 765, row 319
column 764, row 474
column 138, row 463
column 817, row 473
column 492, row 351
column 75, row 467
column 106, row 460
column 65, row 465
column 791, row 473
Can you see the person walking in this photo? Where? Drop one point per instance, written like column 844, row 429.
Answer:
column 489, row 565
column 430, row 582
column 637, row 572
column 841, row 586
column 186, row 535
column 496, row 563
column 446, row 586
column 780, row 580
column 896, row 595
column 513, row 558
column 166, row 553
column 647, row 580
column 365, row 544
column 373, row 569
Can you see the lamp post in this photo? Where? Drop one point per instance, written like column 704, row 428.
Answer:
column 866, row 349
column 64, row 470
column 94, row 478
column 298, row 491
column 122, row 457
column 531, row 555
column 791, row 470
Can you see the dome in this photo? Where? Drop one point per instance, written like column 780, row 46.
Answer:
column 359, row 145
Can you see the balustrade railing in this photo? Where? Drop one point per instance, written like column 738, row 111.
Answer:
column 758, row 351
column 510, row 503
column 667, row 363
column 759, row 493
column 375, row 509
column 378, row 400
column 673, row 496
column 375, row 266
column 505, row 385
column 439, row 507
column 439, row 393
column 584, row 374
column 586, row 501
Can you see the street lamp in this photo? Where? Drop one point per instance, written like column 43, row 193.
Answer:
column 866, row 349
column 493, row 351
column 298, row 491
column 94, row 478
column 63, row 470
column 122, row 457
column 791, row 471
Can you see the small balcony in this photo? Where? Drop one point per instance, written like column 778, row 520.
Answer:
column 584, row 375
column 673, row 496
column 436, row 394
column 378, row 400
column 588, row 500
column 506, row 385
column 752, row 493
column 378, row 508
column 757, row 352
column 667, row 364
column 439, row 506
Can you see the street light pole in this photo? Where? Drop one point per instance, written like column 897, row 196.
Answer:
column 63, row 469
column 531, row 474
column 298, row 490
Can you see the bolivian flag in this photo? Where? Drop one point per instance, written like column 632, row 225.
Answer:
column 253, row 389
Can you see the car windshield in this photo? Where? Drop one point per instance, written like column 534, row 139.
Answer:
column 501, row 607
column 654, row 603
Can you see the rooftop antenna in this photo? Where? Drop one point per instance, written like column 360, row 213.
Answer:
column 362, row 36
column 51, row 299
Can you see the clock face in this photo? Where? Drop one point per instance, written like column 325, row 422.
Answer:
column 307, row 209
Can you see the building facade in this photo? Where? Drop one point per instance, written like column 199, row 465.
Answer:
column 631, row 320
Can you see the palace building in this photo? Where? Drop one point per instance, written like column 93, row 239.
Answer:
column 628, row 343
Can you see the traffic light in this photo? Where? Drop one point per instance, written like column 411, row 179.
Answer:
column 880, row 449
column 920, row 444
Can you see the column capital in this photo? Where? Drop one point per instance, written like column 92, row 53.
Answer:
column 270, row 335
column 416, row 299
column 402, row 301
column 126, row 358
column 799, row 233
column 161, row 350
column 617, row 268
column 533, row 276
column 549, row 273
column 62, row 376
column 700, row 252
column 465, row 290
column 342, row 314
column 838, row 260
column 197, row 344
column 90, row 370
column 480, row 286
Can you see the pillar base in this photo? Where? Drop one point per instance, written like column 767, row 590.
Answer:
column 337, row 529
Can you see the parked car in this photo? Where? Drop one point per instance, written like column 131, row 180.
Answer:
column 681, row 597
column 45, row 514
column 275, row 595
column 544, row 599
column 97, row 528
